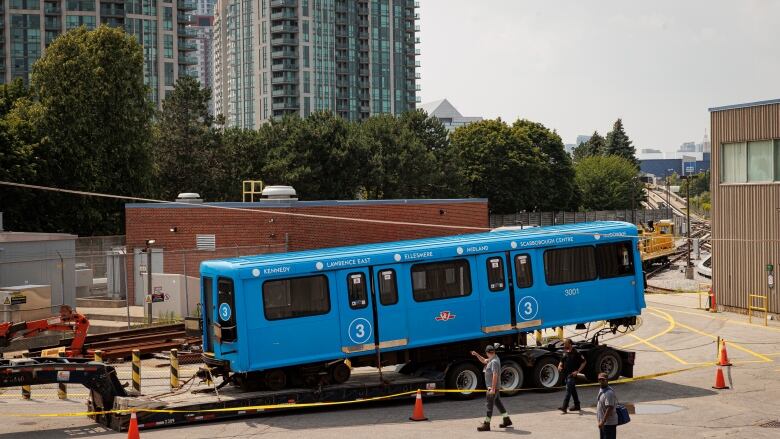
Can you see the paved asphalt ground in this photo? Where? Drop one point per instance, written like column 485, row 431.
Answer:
column 673, row 335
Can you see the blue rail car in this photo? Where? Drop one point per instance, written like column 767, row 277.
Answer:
column 279, row 318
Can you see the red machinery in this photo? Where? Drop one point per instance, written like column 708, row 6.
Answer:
column 67, row 321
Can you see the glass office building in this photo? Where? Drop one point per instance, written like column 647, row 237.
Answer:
column 160, row 26
column 277, row 57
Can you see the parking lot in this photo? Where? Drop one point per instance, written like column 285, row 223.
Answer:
column 674, row 336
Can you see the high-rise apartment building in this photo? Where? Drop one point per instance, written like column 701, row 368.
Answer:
column 204, row 39
column 160, row 26
column 276, row 57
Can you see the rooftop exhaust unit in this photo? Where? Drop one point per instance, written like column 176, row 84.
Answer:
column 189, row 197
column 279, row 193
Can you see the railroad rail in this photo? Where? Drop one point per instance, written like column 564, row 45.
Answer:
column 120, row 344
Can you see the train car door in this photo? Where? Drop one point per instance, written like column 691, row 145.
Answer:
column 495, row 303
column 207, row 289
column 355, row 311
column 445, row 301
column 526, row 298
column 391, row 308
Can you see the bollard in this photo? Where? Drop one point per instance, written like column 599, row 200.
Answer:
column 62, row 389
column 98, row 356
column 560, row 333
column 137, row 370
column 538, row 337
column 26, row 392
column 174, row 369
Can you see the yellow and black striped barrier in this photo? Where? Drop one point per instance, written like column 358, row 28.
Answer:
column 62, row 388
column 98, row 356
column 174, row 369
column 26, row 392
column 137, row 370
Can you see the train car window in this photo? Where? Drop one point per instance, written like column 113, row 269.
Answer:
column 388, row 288
column 495, row 274
column 296, row 297
column 568, row 265
column 441, row 280
column 523, row 270
column 615, row 260
column 356, row 287
column 226, row 310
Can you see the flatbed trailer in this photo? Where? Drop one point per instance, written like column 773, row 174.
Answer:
column 533, row 367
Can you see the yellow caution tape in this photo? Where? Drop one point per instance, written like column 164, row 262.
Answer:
column 333, row 403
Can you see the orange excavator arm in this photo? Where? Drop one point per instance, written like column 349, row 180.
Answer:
column 67, row 321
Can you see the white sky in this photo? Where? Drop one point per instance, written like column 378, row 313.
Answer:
column 576, row 66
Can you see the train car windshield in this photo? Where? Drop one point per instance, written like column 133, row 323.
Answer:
column 614, row 260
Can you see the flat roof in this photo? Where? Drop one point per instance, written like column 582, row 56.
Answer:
column 745, row 105
column 296, row 203
column 34, row 236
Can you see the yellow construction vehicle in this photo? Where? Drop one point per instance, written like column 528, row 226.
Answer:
column 656, row 242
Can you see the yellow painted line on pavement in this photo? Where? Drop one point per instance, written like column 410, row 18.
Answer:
column 653, row 337
column 730, row 344
column 663, row 351
column 712, row 317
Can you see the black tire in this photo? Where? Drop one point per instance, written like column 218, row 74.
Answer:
column 546, row 375
column 464, row 376
column 339, row 373
column 512, row 377
column 607, row 361
column 275, row 379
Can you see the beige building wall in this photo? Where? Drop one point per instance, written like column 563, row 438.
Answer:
column 745, row 216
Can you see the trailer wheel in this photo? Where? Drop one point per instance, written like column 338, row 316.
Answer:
column 339, row 373
column 276, row 379
column 512, row 377
column 546, row 374
column 607, row 361
column 465, row 377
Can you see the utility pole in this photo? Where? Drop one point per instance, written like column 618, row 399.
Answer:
column 149, row 243
column 688, row 266
column 668, row 195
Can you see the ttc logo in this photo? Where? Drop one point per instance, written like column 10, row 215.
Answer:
column 444, row 316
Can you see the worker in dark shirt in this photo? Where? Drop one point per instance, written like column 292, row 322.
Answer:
column 571, row 365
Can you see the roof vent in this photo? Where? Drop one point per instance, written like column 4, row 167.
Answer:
column 279, row 193
column 189, row 197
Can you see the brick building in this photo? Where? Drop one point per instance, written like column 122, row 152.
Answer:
column 185, row 234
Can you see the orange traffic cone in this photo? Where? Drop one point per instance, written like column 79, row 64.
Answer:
column 720, row 383
column 132, row 431
column 724, row 356
column 417, row 414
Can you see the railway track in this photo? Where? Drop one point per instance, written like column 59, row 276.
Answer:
column 120, row 344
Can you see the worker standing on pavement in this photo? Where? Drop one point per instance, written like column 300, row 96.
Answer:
column 571, row 365
column 492, row 372
column 606, row 414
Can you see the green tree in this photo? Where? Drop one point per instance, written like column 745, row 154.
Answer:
column 499, row 163
column 11, row 93
column 433, row 135
column 243, row 155
column 557, row 171
column 187, row 148
column 700, row 183
column 317, row 155
column 89, row 123
column 595, row 146
column 398, row 165
column 608, row 182
column 617, row 143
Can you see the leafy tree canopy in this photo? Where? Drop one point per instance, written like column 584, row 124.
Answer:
column 608, row 182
